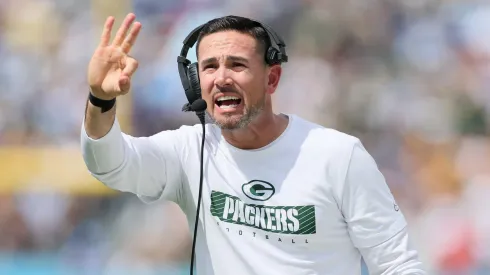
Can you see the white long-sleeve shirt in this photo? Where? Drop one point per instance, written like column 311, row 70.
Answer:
column 311, row 202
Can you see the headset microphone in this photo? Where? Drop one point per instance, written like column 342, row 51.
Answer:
column 199, row 106
column 189, row 76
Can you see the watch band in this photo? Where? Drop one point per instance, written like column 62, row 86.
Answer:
column 104, row 105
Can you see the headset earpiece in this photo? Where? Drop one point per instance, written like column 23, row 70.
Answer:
column 193, row 76
column 271, row 56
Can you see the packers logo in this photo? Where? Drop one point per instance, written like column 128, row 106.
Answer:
column 258, row 190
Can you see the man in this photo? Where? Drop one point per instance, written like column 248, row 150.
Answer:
column 281, row 195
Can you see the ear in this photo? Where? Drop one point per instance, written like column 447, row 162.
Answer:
column 273, row 78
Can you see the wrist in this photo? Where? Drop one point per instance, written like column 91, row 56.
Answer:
column 104, row 104
column 99, row 93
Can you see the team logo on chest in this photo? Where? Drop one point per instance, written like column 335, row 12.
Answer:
column 296, row 220
column 280, row 221
column 258, row 190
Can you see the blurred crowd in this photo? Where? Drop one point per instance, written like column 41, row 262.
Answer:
column 411, row 79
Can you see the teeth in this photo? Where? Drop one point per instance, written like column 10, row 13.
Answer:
column 224, row 107
column 228, row 98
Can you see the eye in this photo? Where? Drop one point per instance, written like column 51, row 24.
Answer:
column 209, row 66
column 238, row 66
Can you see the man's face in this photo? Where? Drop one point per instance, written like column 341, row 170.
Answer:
column 234, row 78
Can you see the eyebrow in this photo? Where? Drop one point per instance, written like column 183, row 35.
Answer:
column 228, row 58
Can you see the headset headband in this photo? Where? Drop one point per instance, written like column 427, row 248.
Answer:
column 275, row 40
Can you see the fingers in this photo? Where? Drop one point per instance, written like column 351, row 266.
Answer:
column 131, row 38
column 106, row 33
column 125, row 78
column 130, row 68
column 121, row 33
column 121, row 40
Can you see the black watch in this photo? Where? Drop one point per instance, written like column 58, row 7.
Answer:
column 104, row 105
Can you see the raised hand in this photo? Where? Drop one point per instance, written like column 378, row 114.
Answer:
column 111, row 67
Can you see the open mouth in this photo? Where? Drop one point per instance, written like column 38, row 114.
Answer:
column 228, row 102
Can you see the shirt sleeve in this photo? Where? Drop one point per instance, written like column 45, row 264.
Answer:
column 367, row 203
column 395, row 256
column 149, row 167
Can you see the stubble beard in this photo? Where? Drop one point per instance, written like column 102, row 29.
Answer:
column 235, row 122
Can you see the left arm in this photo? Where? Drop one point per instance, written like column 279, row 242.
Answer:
column 375, row 223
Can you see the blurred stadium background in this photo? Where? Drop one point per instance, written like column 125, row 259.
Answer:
column 410, row 78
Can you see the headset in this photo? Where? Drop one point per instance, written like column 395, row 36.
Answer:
column 189, row 76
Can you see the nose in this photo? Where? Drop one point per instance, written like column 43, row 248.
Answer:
column 222, row 79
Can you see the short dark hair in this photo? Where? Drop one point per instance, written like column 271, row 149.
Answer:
column 240, row 24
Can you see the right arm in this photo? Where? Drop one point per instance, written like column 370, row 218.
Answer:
column 144, row 166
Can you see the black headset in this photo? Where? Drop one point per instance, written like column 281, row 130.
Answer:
column 189, row 72
column 189, row 75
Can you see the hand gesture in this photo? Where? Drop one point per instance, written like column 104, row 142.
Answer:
column 111, row 68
